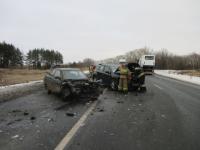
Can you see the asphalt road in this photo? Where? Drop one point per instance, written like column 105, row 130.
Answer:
column 166, row 117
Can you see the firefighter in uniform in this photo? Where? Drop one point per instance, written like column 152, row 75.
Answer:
column 92, row 70
column 124, row 75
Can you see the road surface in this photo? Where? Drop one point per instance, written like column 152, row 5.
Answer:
column 166, row 117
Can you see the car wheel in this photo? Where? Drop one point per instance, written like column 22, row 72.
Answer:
column 143, row 89
column 113, row 85
column 65, row 93
column 95, row 78
column 48, row 91
column 45, row 86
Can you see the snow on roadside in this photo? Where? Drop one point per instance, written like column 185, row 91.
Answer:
column 174, row 74
column 21, row 84
column 86, row 71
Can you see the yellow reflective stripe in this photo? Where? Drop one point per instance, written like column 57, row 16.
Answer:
column 123, row 71
column 141, row 74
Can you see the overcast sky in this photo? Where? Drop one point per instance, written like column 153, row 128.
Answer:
column 101, row 28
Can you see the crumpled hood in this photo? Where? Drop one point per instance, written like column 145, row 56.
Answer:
column 77, row 82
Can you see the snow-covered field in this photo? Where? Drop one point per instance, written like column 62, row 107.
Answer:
column 174, row 74
column 16, row 90
column 20, row 85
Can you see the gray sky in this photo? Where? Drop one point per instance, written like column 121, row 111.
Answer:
column 101, row 28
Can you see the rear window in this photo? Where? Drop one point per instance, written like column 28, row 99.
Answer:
column 149, row 57
column 100, row 68
column 52, row 72
column 74, row 74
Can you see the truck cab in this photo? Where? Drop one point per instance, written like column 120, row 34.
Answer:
column 147, row 62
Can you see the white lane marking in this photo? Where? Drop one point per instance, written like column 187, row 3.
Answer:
column 75, row 128
column 158, row 86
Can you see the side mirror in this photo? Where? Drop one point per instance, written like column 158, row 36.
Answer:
column 117, row 72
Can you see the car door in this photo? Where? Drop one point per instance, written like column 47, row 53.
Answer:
column 100, row 72
column 107, row 75
column 49, row 79
column 56, row 82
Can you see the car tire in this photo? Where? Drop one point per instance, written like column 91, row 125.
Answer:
column 48, row 91
column 113, row 85
column 143, row 89
column 65, row 93
column 45, row 86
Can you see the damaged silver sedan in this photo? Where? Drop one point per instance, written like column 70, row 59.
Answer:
column 69, row 81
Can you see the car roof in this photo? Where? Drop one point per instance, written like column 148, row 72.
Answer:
column 62, row 69
column 107, row 64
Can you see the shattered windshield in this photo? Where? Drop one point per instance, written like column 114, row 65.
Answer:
column 114, row 67
column 73, row 74
column 149, row 57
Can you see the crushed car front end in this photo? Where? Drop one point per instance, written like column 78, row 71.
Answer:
column 78, row 87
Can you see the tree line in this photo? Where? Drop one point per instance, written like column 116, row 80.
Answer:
column 164, row 59
column 41, row 58
column 167, row 60
column 10, row 56
column 82, row 64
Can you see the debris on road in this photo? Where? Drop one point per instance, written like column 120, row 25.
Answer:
column 16, row 111
column 26, row 113
column 32, row 118
column 15, row 136
column 9, row 123
column 51, row 120
column 21, row 138
column 12, row 122
column 100, row 109
column 38, row 131
column 71, row 114
column 62, row 106
column 1, row 131
column 112, row 134
column 163, row 116
column 18, row 119
column 120, row 102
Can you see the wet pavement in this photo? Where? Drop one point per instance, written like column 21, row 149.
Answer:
column 165, row 117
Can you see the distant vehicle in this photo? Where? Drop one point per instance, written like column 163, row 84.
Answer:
column 147, row 62
column 109, row 74
column 68, row 81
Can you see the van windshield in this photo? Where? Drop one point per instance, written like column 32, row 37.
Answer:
column 149, row 57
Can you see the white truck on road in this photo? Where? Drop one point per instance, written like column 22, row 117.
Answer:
column 147, row 62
